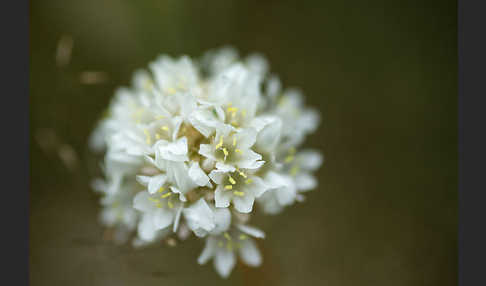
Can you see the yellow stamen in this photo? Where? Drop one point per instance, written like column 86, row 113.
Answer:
column 165, row 128
column 227, row 236
column 171, row 90
column 161, row 190
column 148, row 139
column 228, row 187
column 238, row 151
column 294, row 170
column 239, row 194
column 225, row 152
column 249, row 181
column 234, row 141
column 232, row 109
column 169, row 203
column 289, row 158
column 243, row 237
column 166, row 195
column 156, row 201
column 159, row 117
column 220, row 143
column 157, row 136
column 232, row 181
column 242, row 174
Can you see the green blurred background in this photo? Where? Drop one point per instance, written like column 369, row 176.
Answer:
column 383, row 75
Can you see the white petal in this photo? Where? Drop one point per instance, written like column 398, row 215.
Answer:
column 207, row 151
column 269, row 137
column 224, row 167
column 143, row 180
column 176, row 122
column 173, row 151
column 244, row 204
column 249, row 253
column 156, row 183
column 257, row 63
column 146, row 229
column 109, row 216
column 97, row 139
column 223, row 130
column 162, row 218
column 286, row 195
column 259, row 122
column 175, row 190
column 208, row 251
column 309, row 159
column 222, row 219
column 220, row 112
column 187, row 103
column 199, row 216
column 204, row 121
column 309, row 120
column 142, row 203
column 207, row 164
column 177, row 218
column 152, row 161
column 305, row 182
column 222, row 197
column 269, row 203
column 179, row 147
column 273, row 86
column 275, row 180
column 246, row 138
column 250, row 230
column 198, row 175
column 258, row 186
column 250, row 159
column 224, row 261
column 282, row 187
column 181, row 176
column 217, row 176
column 202, row 127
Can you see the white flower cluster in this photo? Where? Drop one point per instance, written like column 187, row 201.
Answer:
column 191, row 147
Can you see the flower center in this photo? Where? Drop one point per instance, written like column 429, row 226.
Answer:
column 163, row 197
column 154, row 134
column 226, row 150
column 293, row 167
column 236, row 181
column 234, row 115
column 231, row 243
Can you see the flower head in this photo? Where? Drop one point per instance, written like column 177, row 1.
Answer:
column 198, row 147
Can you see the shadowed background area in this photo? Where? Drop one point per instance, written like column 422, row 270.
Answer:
column 383, row 75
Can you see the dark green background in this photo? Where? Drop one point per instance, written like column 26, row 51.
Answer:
column 383, row 75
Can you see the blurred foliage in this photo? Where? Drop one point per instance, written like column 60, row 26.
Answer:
column 383, row 75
